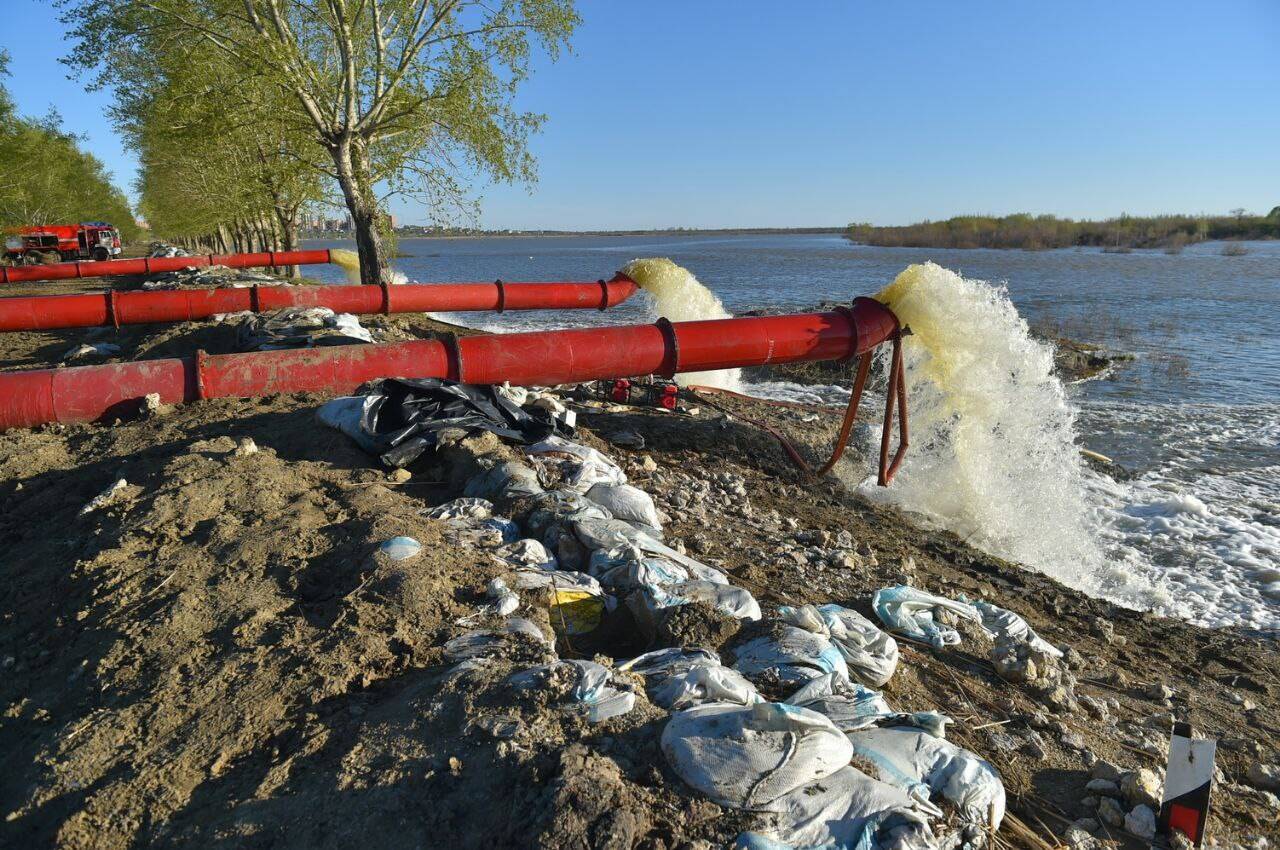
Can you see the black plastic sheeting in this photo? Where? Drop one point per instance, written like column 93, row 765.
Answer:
column 406, row 415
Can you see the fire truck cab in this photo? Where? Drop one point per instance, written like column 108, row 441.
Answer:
column 90, row 240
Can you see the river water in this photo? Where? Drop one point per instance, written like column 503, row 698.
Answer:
column 1195, row 416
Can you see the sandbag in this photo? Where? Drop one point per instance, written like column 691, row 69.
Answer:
column 747, row 757
column 299, row 327
column 593, row 693
column 470, row 508
column 588, row 467
column 526, row 553
column 509, row 479
column 871, row 655
column 847, row 810
column 848, row 705
column 910, row 611
column 678, row 678
column 648, row 603
column 627, row 503
column 1003, row 625
column 911, row 759
column 791, row 654
column 623, row 570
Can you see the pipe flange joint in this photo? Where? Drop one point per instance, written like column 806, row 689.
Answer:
column 502, row 295
column 201, row 360
column 673, row 347
column 604, row 295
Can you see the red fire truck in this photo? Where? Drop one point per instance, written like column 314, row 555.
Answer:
column 89, row 240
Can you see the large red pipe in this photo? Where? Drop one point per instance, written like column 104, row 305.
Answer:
column 48, row 312
column 155, row 265
column 89, row 393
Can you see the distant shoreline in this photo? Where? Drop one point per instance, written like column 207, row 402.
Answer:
column 402, row 233
column 1024, row 231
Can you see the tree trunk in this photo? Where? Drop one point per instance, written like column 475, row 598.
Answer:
column 352, row 161
column 287, row 222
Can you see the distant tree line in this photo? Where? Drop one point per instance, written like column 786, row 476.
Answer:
column 246, row 114
column 45, row 178
column 1037, row 232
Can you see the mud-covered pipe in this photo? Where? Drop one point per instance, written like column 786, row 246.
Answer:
column 49, row 312
column 90, row 393
column 155, row 265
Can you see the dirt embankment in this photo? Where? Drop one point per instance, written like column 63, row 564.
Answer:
column 218, row 656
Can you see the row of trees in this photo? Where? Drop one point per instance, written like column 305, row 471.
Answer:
column 1047, row 231
column 46, row 179
column 245, row 112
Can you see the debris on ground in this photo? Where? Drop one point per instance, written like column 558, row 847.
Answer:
column 270, row 635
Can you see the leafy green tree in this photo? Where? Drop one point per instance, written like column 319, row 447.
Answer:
column 403, row 96
column 234, row 177
column 45, row 178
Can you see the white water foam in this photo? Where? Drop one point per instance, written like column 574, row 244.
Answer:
column 1204, row 535
column 993, row 455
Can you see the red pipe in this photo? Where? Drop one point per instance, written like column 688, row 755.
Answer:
column 87, row 393
column 154, row 265
column 47, row 312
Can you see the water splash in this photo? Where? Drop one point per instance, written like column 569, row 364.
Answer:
column 993, row 454
column 675, row 294
column 349, row 262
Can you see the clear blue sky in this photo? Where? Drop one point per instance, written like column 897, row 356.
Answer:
column 711, row 113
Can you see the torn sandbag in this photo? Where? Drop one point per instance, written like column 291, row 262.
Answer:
column 648, row 603
column 1003, row 626
column 851, row 706
column 345, row 414
column 465, row 508
column 914, row 613
column 489, row 643
column 507, row 480
column 615, row 534
column 634, row 574
column 847, row 810
column 586, row 467
column 911, row 759
column 526, row 553
column 747, row 757
column 591, row 689
column 871, row 655
column 299, row 327
column 679, row 678
column 791, row 655
column 626, row 503
column 404, row 417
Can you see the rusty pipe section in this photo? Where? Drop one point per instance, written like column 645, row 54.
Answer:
column 49, row 312
column 155, row 265
column 92, row 393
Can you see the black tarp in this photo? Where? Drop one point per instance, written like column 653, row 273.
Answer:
column 406, row 415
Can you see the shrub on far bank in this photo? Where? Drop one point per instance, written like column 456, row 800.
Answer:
column 1171, row 232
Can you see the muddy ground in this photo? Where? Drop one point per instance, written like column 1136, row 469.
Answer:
column 219, row 657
